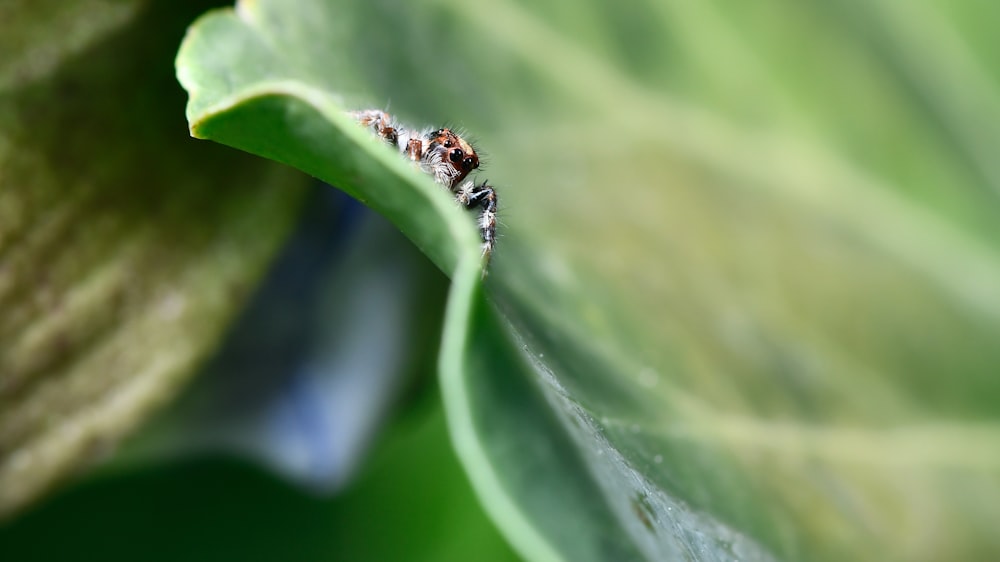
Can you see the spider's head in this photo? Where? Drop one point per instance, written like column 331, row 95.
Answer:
column 455, row 153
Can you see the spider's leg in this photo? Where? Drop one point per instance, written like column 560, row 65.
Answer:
column 380, row 122
column 484, row 197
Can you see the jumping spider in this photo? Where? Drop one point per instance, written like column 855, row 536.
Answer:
column 448, row 159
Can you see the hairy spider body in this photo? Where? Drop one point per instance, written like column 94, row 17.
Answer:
column 446, row 157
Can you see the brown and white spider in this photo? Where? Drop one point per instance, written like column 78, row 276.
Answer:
column 446, row 157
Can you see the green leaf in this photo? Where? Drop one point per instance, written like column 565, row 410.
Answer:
column 744, row 303
column 268, row 106
column 125, row 247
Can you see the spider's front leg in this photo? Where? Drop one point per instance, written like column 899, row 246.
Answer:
column 484, row 197
column 409, row 142
column 380, row 122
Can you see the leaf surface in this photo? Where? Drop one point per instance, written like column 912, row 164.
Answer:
column 744, row 304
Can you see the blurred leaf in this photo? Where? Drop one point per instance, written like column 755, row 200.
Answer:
column 345, row 324
column 745, row 300
column 38, row 35
column 124, row 248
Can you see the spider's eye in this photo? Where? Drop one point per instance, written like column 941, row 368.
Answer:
column 447, row 144
column 468, row 163
column 456, row 155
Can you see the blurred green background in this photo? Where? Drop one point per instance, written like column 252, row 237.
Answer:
column 412, row 503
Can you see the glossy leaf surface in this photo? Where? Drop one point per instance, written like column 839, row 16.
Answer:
column 745, row 300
